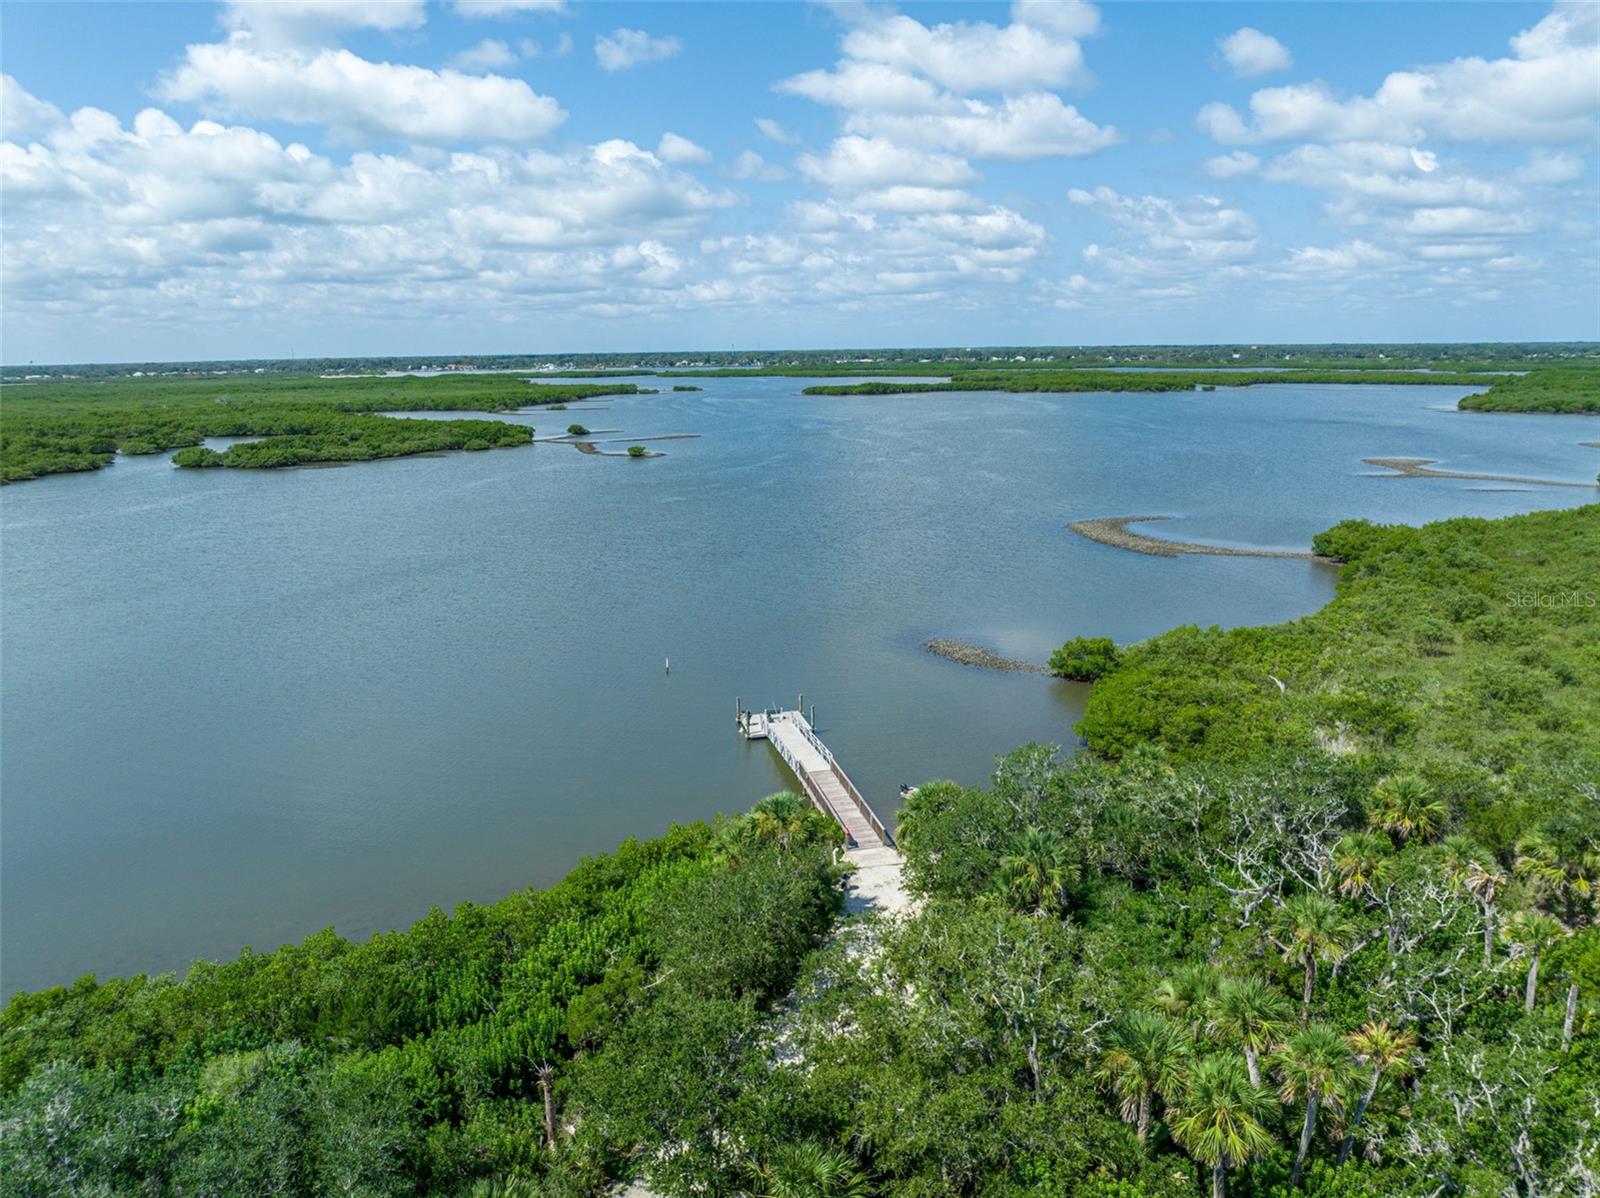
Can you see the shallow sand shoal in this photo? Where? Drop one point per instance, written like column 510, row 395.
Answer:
column 969, row 654
column 1113, row 531
column 1420, row 468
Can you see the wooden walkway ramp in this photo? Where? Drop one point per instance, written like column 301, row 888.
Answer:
column 825, row 783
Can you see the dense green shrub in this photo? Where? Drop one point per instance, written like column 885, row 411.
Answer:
column 1568, row 389
column 1084, row 658
column 412, row 1062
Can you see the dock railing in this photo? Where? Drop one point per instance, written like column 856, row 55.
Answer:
column 818, row 799
column 856, row 797
column 758, row 724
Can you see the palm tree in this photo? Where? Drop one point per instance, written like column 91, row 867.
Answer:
column 1144, row 1057
column 1406, row 806
column 1221, row 1118
column 1564, row 867
column 810, row 1170
column 1034, row 873
column 1312, row 1068
column 1532, row 932
column 1252, row 1013
column 503, row 1187
column 1384, row 1050
column 1188, row 993
column 1470, row 867
column 1315, row 929
column 1363, row 861
column 780, row 817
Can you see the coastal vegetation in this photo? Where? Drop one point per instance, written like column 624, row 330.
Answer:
column 700, row 363
column 1314, row 915
column 577, row 430
column 1084, row 658
column 637, row 451
column 686, row 387
column 1141, row 380
column 58, row 427
column 420, row 1060
column 1572, row 387
column 1472, row 643
column 350, row 438
column 1569, row 390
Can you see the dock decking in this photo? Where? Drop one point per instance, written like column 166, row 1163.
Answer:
column 825, row 783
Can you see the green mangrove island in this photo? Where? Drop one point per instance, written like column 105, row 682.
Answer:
column 1570, row 389
column 54, row 427
column 1312, row 914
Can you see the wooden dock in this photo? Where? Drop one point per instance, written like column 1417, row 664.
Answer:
column 821, row 776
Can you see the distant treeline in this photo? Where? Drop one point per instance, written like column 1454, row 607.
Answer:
column 1144, row 380
column 1399, row 356
column 54, row 428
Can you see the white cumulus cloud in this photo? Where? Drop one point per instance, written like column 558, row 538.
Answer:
column 488, row 55
column 1229, row 166
column 1545, row 93
column 680, row 150
column 22, row 115
column 302, row 22
column 860, row 163
column 912, row 83
column 509, row 8
column 624, row 48
column 975, row 56
column 772, row 131
column 750, row 165
column 1249, row 52
column 358, row 98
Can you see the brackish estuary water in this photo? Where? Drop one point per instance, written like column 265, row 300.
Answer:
column 240, row 706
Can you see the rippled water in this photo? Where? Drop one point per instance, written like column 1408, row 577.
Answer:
column 238, row 706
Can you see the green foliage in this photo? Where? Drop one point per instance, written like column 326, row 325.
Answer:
column 54, row 427
column 1084, row 658
column 577, row 430
column 1217, row 905
column 1565, row 389
column 1140, row 381
column 810, row 1170
column 1350, row 678
column 637, row 451
column 412, row 1061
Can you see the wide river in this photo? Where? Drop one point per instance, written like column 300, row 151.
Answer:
column 238, row 707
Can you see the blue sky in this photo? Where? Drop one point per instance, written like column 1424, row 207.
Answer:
column 368, row 177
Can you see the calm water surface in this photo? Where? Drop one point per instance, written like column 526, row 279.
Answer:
column 238, row 707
